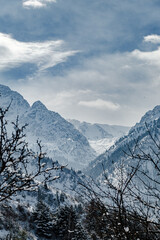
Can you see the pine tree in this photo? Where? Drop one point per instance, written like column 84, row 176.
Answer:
column 66, row 222
column 68, row 226
column 79, row 232
column 95, row 219
column 21, row 235
column 43, row 220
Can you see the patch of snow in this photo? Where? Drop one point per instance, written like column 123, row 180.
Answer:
column 3, row 233
column 102, row 145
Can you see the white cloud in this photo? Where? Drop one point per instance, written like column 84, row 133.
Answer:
column 99, row 104
column 152, row 38
column 36, row 3
column 152, row 57
column 33, row 3
column 43, row 54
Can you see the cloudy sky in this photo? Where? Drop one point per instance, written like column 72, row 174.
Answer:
column 92, row 60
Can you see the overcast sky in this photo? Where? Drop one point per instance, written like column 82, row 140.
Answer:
column 91, row 60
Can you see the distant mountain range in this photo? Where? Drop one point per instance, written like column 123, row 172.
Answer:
column 69, row 142
column 97, row 131
column 74, row 143
column 60, row 139
column 100, row 136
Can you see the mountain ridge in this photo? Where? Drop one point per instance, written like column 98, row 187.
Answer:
column 60, row 138
column 141, row 133
column 100, row 136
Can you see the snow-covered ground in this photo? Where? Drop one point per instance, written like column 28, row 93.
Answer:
column 101, row 145
column 3, row 233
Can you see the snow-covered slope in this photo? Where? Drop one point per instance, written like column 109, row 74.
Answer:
column 150, row 122
column 66, row 185
column 100, row 136
column 18, row 104
column 102, row 145
column 97, row 131
column 64, row 191
column 60, row 139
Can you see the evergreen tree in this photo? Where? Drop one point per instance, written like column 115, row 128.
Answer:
column 21, row 235
column 95, row 219
column 68, row 227
column 43, row 220
column 66, row 223
column 79, row 232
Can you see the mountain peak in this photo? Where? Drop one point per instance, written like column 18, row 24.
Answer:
column 151, row 115
column 38, row 105
column 4, row 88
column 18, row 104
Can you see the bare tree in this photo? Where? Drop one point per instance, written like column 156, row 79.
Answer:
column 146, row 185
column 130, row 196
column 20, row 168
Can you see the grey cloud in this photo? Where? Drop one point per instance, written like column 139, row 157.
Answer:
column 87, row 24
column 115, row 78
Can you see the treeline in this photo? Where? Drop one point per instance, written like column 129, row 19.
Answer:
column 92, row 221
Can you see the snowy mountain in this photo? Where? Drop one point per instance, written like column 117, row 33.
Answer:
column 60, row 139
column 100, row 136
column 97, row 131
column 141, row 133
